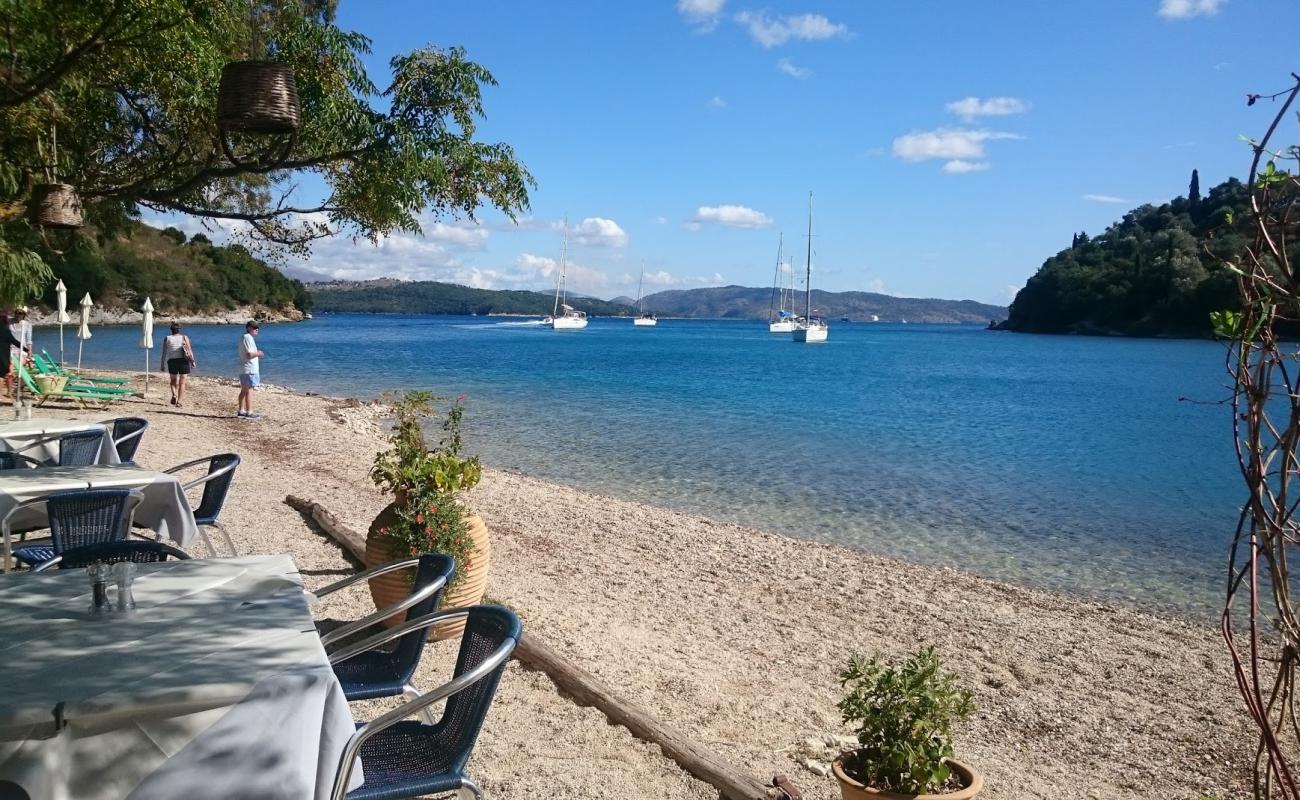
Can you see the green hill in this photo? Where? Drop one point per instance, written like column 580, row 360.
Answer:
column 181, row 277
column 744, row 302
column 1156, row 272
column 387, row 296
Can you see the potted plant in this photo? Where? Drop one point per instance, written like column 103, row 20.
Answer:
column 427, row 514
column 903, row 718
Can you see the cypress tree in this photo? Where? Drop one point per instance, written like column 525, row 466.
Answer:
column 1194, row 190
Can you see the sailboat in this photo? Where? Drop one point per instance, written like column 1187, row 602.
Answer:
column 565, row 317
column 810, row 329
column 779, row 318
column 644, row 318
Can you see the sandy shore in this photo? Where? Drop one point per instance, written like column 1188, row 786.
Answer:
column 736, row 636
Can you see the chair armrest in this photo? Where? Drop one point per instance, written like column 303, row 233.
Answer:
column 414, row 598
column 418, row 704
column 6, row 530
column 186, row 486
column 44, row 565
column 187, row 464
column 128, row 437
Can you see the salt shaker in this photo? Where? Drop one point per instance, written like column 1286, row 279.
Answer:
column 124, row 573
column 98, row 576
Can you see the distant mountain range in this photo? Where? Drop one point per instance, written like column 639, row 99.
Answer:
column 724, row 302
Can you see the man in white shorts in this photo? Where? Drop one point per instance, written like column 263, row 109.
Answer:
column 250, row 376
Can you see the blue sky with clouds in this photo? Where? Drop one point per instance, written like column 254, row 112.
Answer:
column 951, row 146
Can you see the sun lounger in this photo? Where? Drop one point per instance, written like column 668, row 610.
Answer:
column 48, row 366
column 83, row 397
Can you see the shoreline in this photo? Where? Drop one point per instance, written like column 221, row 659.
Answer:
column 736, row 635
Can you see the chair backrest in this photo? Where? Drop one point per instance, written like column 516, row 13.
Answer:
column 486, row 629
column 9, row 460
column 127, row 433
column 80, row 448
column 432, row 566
column 90, row 516
column 215, row 490
column 139, row 551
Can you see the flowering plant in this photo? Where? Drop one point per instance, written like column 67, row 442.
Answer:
column 429, row 516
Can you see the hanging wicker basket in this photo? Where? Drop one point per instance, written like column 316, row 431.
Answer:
column 55, row 205
column 258, row 97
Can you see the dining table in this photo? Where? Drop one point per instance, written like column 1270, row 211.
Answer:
column 38, row 438
column 215, row 687
column 163, row 509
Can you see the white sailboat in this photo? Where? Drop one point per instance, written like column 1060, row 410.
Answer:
column 779, row 318
column 643, row 319
column 565, row 317
column 810, row 329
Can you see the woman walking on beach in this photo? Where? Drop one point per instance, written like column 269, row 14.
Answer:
column 14, row 342
column 178, row 357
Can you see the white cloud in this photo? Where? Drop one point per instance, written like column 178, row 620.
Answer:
column 730, row 217
column 959, row 166
column 972, row 107
column 771, row 32
column 788, row 67
column 963, row 149
column 876, row 285
column 661, row 220
column 468, row 235
column 600, row 232
column 717, row 102
column 540, row 272
column 702, row 15
column 1186, row 9
column 1104, row 198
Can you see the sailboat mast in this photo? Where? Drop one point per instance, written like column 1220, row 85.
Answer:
column 776, row 281
column 640, row 298
column 807, row 314
column 559, row 283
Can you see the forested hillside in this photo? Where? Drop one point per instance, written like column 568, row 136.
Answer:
column 743, row 302
column 430, row 297
column 180, row 276
column 1156, row 272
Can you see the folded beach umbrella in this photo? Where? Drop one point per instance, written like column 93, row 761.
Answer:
column 61, row 292
column 146, row 340
column 83, row 333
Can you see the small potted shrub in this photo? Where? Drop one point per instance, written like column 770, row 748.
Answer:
column 427, row 514
column 903, row 717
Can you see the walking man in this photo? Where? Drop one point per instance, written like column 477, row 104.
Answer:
column 249, row 371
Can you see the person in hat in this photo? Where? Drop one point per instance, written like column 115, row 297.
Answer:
column 250, row 376
column 178, row 359
column 20, row 331
column 14, row 345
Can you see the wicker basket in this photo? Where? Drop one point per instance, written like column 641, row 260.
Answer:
column 258, row 97
column 55, row 205
column 51, row 384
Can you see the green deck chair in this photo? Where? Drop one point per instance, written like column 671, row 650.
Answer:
column 84, row 398
column 48, row 366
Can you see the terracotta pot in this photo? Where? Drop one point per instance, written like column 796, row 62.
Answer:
column 851, row 789
column 391, row 588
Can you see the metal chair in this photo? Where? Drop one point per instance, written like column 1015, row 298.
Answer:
column 80, row 448
column 216, row 485
column 77, row 518
column 135, row 550
column 387, row 672
column 403, row 758
column 127, row 432
column 17, row 461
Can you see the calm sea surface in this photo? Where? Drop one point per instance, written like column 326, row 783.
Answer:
column 1062, row 462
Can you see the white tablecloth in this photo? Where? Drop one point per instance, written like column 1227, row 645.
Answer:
column 164, row 508
column 38, row 438
column 217, row 688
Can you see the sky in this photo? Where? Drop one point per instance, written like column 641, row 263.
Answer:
column 950, row 146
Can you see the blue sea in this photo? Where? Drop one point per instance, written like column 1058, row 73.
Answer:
column 1100, row 467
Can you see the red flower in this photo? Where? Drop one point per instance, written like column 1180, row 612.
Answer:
column 432, row 510
column 419, row 518
column 415, row 551
column 469, row 562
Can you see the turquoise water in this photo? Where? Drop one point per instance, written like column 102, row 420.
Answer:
column 1062, row 462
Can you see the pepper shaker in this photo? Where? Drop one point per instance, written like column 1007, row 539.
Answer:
column 98, row 575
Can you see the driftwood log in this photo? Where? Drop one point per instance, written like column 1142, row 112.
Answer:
column 587, row 690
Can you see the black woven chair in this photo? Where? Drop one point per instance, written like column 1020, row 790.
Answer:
column 17, row 461
column 216, row 485
column 134, row 550
column 387, row 672
column 80, row 448
column 127, row 433
column 77, row 519
column 402, row 758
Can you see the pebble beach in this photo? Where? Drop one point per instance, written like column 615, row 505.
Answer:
column 733, row 635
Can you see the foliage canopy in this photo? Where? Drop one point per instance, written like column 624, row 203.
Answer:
column 118, row 97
